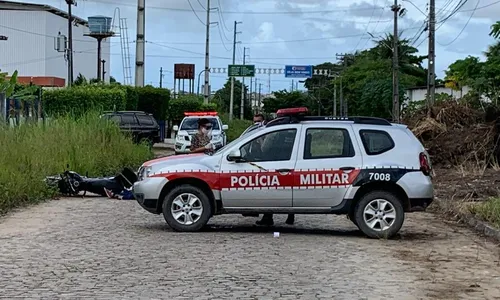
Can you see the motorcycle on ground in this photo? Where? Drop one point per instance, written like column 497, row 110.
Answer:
column 72, row 184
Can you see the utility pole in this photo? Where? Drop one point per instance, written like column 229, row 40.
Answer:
column 341, row 106
column 70, row 41
column 335, row 97
column 255, row 92
column 103, row 70
column 242, row 102
column 395, row 64
column 206, row 94
column 260, row 96
column 140, row 43
column 431, row 84
column 231, row 101
column 161, row 77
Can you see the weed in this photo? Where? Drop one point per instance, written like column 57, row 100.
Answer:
column 488, row 211
column 32, row 151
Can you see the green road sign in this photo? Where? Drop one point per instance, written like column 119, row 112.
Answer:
column 241, row 70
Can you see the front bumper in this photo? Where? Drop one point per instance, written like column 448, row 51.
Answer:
column 147, row 193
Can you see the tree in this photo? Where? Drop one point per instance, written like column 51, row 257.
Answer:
column 80, row 80
column 284, row 99
column 463, row 72
column 223, row 99
column 7, row 86
column 495, row 30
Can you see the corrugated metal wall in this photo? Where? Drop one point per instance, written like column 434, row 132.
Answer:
column 30, row 47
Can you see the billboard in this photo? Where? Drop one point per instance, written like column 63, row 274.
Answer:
column 184, row 71
column 298, row 71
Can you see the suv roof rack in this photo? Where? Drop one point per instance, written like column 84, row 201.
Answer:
column 291, row 119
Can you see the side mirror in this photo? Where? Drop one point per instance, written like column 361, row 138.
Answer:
column 225, row 127
column 235, row 156
column 175, row 128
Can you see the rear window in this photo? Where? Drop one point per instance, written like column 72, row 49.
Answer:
column 376, row 141
column 145, row 120
column 192, row 123
column 128, row 119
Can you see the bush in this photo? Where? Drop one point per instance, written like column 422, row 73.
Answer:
column 186, row 103
column 31, row 152
column 236, row 127
column 153, row 100
column 82, row 99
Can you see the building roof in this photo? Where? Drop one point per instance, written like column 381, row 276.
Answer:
column 11, row 5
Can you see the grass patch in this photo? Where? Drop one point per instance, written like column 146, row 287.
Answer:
column 32, row 151
column 488, row 211
column 236, row 127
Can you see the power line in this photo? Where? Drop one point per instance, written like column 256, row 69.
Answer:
column 463, row 28
column 375, row 28
column 347, row 9
column 192, row 8
column 366, row 28
column 221, row 38
column 221, row 15
column 204, row 8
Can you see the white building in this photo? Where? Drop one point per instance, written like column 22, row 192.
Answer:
column 31, row 30
column 419, row 93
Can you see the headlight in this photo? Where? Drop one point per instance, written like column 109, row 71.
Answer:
column 216, row 137
column 144, row 172
column 181, row 138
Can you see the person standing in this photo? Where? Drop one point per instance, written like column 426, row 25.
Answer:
column 201, row 141
column 267, row 219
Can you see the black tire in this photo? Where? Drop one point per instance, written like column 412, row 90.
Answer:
column 203, row 218
column 352, row 218
column 395, row 225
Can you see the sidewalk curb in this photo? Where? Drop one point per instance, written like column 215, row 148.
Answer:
column 163, row 146
column 473, row 222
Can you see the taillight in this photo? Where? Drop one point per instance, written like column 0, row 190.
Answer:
column 425, row 167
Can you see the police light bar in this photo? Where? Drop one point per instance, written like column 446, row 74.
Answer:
column 292, row 111
column 200, row 114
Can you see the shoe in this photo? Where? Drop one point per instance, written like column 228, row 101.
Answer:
column 108, row 193
column 290, row 220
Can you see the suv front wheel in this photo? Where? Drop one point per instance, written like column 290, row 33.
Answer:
column 186, row 208
column 379, row 214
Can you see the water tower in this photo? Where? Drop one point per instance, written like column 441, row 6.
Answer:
column 100, row 29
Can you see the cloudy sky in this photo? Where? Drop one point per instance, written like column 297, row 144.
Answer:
column 286, row 32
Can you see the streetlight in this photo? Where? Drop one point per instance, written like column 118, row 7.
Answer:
column 199, row 74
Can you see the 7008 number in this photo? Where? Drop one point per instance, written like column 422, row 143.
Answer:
column 380, row 176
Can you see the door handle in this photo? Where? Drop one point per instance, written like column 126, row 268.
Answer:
column 284, row 170
column 347, row 168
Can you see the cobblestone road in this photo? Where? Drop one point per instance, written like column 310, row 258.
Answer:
column 109, row 249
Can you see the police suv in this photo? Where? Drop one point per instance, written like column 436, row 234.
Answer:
column 369, row 169
column 189, row 127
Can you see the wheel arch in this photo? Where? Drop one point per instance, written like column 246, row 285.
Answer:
column 189, row 181
column 390, row 187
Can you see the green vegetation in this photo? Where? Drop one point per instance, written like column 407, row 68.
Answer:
column 236, row 127
column 88, row 144
column 488, row 211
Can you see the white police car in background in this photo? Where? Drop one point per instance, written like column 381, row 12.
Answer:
column 189, row 127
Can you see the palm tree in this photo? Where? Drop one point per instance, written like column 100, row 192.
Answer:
column 495, row 30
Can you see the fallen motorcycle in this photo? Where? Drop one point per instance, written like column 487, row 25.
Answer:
column 71, row 183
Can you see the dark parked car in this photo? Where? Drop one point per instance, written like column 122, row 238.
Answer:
column 141, row 125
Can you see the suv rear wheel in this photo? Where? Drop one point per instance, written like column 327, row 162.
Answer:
column 379, row 214
column 186, row 208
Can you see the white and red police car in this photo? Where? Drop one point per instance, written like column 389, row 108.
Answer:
column 189, row 127
column 369, row 169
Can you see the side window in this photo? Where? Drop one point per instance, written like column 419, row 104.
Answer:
column 272, row 146
column 145, row 120
column 129, row 120
column 327, row 143
column 376, row 141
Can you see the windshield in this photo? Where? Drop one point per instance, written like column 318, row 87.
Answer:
column 192, row 123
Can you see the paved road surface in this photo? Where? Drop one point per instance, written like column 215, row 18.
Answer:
column 109, row 249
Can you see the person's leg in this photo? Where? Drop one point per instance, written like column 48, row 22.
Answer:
column 267, row 219
column 290, row 220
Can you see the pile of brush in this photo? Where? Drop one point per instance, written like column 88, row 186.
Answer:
column 455, row 134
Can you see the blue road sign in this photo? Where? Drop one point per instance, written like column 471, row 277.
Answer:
column 299, row 71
